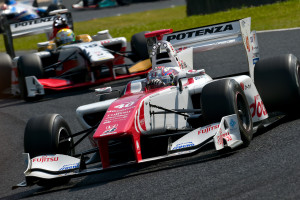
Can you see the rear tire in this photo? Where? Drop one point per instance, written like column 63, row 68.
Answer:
column 28, row 65
column 5, row 72
column 45, row 135
column 139, row 46
column 277, row 82
column 226, row 97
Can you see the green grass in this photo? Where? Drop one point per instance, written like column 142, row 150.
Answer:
column 275, row 16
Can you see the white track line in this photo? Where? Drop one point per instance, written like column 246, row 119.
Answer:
column 277, row 30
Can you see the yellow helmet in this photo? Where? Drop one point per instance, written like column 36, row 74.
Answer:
column 64, row 36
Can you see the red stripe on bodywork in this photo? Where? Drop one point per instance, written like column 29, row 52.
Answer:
column 119, row 121
column 142, row 117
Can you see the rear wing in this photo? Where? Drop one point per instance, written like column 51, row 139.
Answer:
column 30, row 27
column 212, row 37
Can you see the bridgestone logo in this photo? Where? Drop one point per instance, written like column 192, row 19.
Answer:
column 35, row 21
column 200, row 32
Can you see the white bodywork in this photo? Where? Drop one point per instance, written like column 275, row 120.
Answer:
column 217, row 131
column 94, row 51
column 180, row 48
column 51, row 163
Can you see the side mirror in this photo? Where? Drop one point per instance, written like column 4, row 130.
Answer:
column 107, row 93
column 105, row 90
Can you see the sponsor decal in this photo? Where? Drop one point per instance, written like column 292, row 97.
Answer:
column 255, row 60
column 92, row 45
column 183, row 145
column 232, row 123
column 225, row 136
column 200, row 32
column 110, row 128
column 70, row 166
column 45, row 159
column 245, row 86
column 248, row 44
column 105, row 42
column 208, row 129
column 35, row 21
column 117, row 115
column 258, row 108
column 180, row 49
column 125, row 105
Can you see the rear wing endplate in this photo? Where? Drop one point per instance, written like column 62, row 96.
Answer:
column 30, row 27
column 212, row 37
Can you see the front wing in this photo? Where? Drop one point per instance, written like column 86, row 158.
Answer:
column 46, row 167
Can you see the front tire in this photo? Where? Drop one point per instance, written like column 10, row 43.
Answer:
column 226, row 97
column 47, row 134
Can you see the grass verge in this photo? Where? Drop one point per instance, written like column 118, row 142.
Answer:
column 274, row 16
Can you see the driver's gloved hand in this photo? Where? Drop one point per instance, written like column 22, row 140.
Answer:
column 157, row 82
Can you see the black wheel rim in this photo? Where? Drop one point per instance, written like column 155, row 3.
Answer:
column 297, row 74
column 64, row 142
column 243, row 113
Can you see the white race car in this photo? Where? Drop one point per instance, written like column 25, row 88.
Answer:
column 176, row 110
column 16, row 11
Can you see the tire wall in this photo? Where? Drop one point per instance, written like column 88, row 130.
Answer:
column 200, row 7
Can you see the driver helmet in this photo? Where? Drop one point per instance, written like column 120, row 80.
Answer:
column 162, row 76
column 64, row 36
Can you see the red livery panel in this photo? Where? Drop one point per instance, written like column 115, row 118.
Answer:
column 120, row 120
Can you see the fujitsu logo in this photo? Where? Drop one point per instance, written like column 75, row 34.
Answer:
column 208, row 129
column 200, row 32
column 45, row 159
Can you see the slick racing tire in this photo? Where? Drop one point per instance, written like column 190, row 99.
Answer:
column 45, row 135
column 5, row 72
column 28, row 65
column 139, row 46
column 124, row 2
column 226, row 97
column 277, row 82
column 48, row 134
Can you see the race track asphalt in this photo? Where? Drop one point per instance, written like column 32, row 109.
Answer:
column 268, row 169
